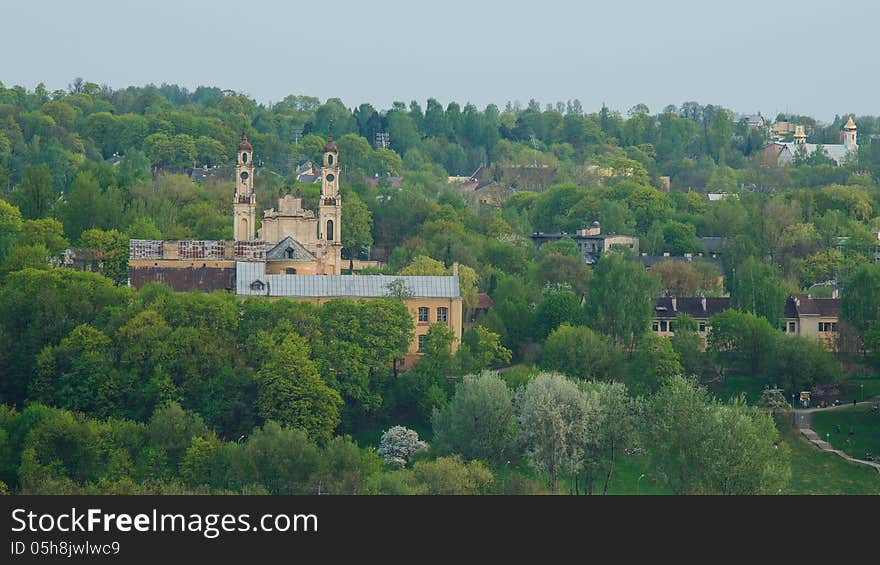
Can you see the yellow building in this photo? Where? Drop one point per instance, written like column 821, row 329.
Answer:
column 804, row 316
column 813, row 317
column 429, row 299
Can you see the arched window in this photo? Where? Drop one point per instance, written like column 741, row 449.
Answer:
column 243, row 231
column 289, row 252
column 329, row 159
column 329, row 230
column 290, row 271
column 244, row 157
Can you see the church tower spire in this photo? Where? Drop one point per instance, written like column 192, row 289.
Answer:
column 849, row 135
column 330, row 208
column 244, row 203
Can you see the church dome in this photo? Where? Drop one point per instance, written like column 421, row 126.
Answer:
column 850, row 124
column 330, row 147
column 244, row 145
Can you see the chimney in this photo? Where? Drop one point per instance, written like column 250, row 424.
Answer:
column 674, row 304
column 703, row 302
column 455, row 268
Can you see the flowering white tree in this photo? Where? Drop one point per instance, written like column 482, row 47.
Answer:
column 399, row 444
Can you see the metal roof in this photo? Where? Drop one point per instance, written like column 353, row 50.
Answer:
column 342, row 286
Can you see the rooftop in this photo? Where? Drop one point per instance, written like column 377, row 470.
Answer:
column 252, row 280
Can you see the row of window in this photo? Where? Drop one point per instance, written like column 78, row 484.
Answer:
column 442, row 314
column 667, row 326
column 823, row 327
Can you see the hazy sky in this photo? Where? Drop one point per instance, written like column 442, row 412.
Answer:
column 806, row 56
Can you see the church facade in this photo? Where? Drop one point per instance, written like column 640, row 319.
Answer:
column 291, row 240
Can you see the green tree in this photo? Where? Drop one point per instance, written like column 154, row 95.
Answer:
column 677, row 428
column 860, row 304
column 745, row 454
column 581, row 353
column 172, row 429
column 552, row 424
column 797, row 363
column 478, row 422
column 621, row 300
column 481, row 349
column 357, row 228
column 615, row 426
column 687, row 343
column 450, row 475
column 35, row 195
column 40, row 308
column 741, row 341
column 112, row 247
column 654, row 361
column 47, row 232
column 758, row 288
column 555, row 309
column 291, row 391
column 10, row 226
column 79, row 374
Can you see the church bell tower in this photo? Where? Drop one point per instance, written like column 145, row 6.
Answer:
column 330, row 209
column 244, row 204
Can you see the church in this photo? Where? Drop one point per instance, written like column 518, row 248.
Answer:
column 786, row 153
column 296, row 255
column 299, row 242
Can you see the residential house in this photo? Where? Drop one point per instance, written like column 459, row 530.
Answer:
column 591, row 241
column 813, row 317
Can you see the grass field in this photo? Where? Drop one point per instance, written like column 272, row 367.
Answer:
column 862, row 388
column 817, row 472
column 835, row 425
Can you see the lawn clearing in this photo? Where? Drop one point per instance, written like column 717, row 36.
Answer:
column 836, row 425
column 816, row 472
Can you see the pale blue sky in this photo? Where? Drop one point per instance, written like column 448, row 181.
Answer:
column 806, row 56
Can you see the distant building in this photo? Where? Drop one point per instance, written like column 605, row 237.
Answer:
column 699, row 308
column 813, row 317
column 203, row 173
column 817, row 318
column 753, row 121
column 393, row 181
column 430, row 299
column 716, row 196
column 591, row 241
column 786, row 153
column 781, row 130
column 713, row 245
column 649, row 261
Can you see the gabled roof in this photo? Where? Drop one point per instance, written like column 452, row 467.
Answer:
column 289, row 249
column 799, row 305
column 696, row 307
column 712, row 244
column 649, row 261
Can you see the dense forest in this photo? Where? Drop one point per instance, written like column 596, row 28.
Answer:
column 112, row 390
